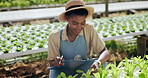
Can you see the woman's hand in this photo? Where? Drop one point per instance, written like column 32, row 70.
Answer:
column 95, row 66
column 56, row 62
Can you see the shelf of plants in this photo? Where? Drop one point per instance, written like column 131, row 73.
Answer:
column 38, row 3
column 137, row 68
column 28, row 39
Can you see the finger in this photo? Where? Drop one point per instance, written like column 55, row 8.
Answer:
column 61, row 64
column 95, row 71
column 61, row 60
column 58, row 59
column 93, row 66
column 55, row 63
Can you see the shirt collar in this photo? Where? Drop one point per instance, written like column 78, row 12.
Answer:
column 64, row 34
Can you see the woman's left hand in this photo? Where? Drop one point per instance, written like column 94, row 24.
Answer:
column 95, row 66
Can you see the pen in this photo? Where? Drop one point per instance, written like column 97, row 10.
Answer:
column 60, row 59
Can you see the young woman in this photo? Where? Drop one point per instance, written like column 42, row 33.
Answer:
column 71, row 49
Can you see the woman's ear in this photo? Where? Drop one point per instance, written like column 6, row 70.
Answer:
column 67, row 18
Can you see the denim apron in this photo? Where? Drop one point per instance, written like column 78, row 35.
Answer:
column 70, row 50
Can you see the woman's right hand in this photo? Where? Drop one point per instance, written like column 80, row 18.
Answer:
column 56, row 62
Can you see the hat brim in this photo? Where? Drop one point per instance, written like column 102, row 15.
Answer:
column 88, row 8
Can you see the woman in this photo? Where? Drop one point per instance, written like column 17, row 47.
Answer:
column 76, row 43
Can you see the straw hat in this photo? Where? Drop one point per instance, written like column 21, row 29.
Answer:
column 76, row 4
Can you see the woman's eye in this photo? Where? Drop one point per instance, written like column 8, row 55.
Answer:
column 74, row 23
column 83, row 23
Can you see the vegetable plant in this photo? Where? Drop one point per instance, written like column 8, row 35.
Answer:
column 136, row 67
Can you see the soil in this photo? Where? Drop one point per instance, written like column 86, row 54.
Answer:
column 38, row 69
column 29, row 70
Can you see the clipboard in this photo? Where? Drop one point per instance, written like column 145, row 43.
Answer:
column 71, row 64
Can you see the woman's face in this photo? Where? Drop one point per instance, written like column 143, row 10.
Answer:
column 76, row 23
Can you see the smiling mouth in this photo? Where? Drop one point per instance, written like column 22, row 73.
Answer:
column 78, row 31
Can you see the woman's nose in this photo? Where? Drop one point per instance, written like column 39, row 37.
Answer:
column 79, row 26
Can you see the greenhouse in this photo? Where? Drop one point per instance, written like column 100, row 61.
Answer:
column 24, row 43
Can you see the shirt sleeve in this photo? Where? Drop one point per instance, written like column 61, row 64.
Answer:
column 53, row 46
column 96, row 41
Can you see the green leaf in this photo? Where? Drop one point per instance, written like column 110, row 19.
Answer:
column 141, row 75
column 105, row 73
column 108, row 66
column 97, row 75
column 79, row 71
column 146, row 56
column 120, row 64
column 63, row 74
column 59, row 76
column 75, row 76
column 70, row 76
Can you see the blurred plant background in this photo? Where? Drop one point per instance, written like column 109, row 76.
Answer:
column 26, row 3
column 122, row 48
